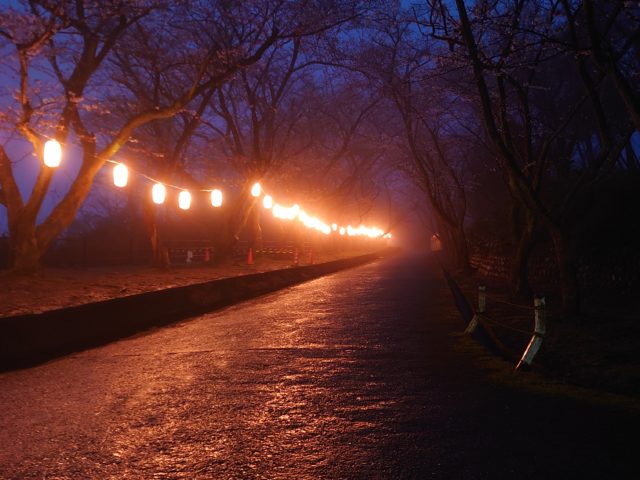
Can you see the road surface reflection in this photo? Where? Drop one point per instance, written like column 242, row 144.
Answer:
column 348, row 376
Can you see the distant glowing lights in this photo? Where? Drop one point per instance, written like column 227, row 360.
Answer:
column 158, row 193
column 309, row 221
column 314, row 223
column 120, row 175
column 371, row 232
column 184, row 200
column 278, row 211
column 286, row 213
column 216, row 198
column 52, row 153
column 52, row 156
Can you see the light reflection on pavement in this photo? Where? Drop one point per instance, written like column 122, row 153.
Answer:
column 348, row 376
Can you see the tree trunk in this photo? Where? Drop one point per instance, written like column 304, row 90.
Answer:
column 519, row 275
column 225, row 240
column 462, row 249
column 255, row 240
column 25, row 253
column 454, row 244
column 568, row 275
column 150, row 215
column 237, row 218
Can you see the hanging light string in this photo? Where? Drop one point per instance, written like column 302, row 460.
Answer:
column 52, row 156
column 151, row 179
column 309, row 221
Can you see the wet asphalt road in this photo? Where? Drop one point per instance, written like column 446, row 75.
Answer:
column 349, row 376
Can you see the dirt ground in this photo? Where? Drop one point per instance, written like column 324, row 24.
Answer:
column 54, row 288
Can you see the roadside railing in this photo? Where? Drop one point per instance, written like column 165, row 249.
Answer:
column 481, row 318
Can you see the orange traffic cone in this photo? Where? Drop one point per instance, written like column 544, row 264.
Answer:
column 250, row 257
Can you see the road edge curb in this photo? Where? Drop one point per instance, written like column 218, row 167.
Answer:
column 31, row 339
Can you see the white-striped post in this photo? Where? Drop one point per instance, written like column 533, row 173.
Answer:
column 482, row 306
column 482, row 299
column 471, row 327
column 539, row 330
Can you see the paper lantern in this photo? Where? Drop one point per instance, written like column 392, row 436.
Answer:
column 256, row 190
column 52, row 153
column 158, row 193
column 267, row 201
column 184, row 200
column 120, row 175
column 216, row 198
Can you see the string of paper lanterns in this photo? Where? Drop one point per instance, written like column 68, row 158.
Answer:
column 52, row 157
column 159, row 190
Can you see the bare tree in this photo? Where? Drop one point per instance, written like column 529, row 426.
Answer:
column 510, row 67
column 613, row 32
column 75, row 39
column 402, row 65
column 269, row 121
column 342, row 172
column 71, row 41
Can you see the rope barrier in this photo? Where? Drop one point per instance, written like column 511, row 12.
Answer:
column 479, row 318
column 523, row 307
column 504, row 325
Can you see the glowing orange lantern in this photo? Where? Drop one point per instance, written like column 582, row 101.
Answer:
column 216, row 198
column 52, row 153
column 184, row 200
column 120, row 175
column 158, row 193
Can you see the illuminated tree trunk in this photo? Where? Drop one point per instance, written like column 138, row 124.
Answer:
column 25, row 252
column 152, row 228
column 255, row 230
column 237, row 218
